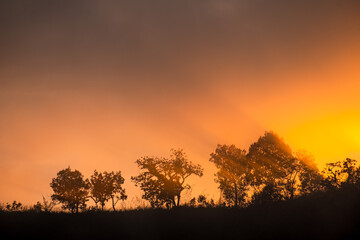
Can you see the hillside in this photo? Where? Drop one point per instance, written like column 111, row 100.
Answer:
column 330, row 215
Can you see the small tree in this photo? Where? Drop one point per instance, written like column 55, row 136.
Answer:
column 333, row 175
column 204, row 202
column 70, row 189
column 14, row 206
column 352, row 172
column 38, row 207
column 340, row 174
column 105, row 186
column 118, row 192
column 163, row 180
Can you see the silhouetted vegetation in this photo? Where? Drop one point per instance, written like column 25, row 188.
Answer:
column 267, row 192
column 105, row 186
column 70, row 189
column 267, row 172
column 163, row 180
column 45, row 206
column 322, row 215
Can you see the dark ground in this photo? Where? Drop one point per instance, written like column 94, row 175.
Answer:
column 331, row 215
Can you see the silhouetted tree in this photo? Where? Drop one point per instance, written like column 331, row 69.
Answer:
column 105, row 186
column 37, row 207
column 274, row 166
column 70, row 189
column 351, row 171
column 339, row 174
column 333, row 175
column 14, row 206
column 233, row 173
column 204, row 202
column 163, row 180
column 269, row 171
column 309, row 176
column 192, row 202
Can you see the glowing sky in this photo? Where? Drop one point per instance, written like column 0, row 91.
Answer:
column 98, row 84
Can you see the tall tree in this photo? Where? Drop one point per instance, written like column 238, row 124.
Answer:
column 70, row 189
column 105, row 186
column 275, row 167
column 310, row 179
column 233, row 173
column 162, row 180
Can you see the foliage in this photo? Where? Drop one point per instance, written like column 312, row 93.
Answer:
column 339, row 174
column 162, row 180
column 274, row 165
column 202, row 201
column 14, row 206
column 70, row 189
column 310, row 178
column 38, row 206
column 45, row 206
column 233, row 173
column 105, row 186
column 269, row 171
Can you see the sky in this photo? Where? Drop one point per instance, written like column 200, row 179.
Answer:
column 99, row 84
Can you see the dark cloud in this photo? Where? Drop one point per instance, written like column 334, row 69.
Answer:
column 166, row 43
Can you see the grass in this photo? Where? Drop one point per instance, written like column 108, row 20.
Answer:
column 330, row 215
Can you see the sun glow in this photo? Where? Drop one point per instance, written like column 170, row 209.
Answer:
column 329, row 138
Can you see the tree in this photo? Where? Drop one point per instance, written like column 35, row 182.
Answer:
column 340, row 174
column 309, row 176
column 269, row 171
column 333, row 175
column 14, row 206
column 70, row 189
column 37, row 207
column 233, row 173
column 204, row 202
column 274, row 166
column 105, row 186
column 352, row 172
column 162, row 180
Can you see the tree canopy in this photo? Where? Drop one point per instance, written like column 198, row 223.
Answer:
column 233, row 173
column 163, row 179
column 70, row 189
column 269, row 171
column 105, row 186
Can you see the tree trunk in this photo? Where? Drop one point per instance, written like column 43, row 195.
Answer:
column 113, row 203
column 236, row 195
column 178, row 200
column 173, row 201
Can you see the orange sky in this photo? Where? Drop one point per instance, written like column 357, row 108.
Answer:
column 82, row 85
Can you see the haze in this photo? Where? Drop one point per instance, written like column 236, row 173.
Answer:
column 98, row 84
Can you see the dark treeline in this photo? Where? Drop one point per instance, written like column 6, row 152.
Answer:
column 269, row 171
column 267, row 192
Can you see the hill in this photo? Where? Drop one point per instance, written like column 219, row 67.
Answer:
column 328, row 215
